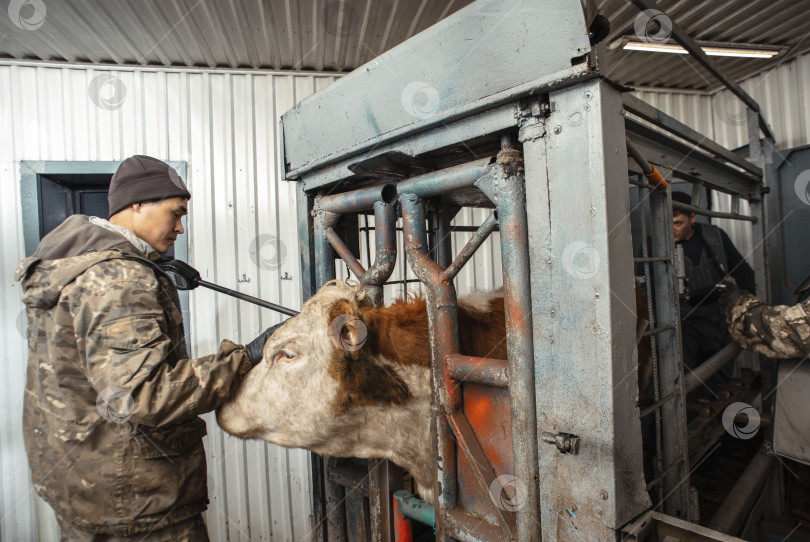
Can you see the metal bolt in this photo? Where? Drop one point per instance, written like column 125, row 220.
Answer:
column 603, row 494
column 557, row 129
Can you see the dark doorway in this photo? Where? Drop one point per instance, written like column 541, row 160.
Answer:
column 61, row 196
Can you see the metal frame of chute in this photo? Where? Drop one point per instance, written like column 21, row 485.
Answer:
column 538, row 126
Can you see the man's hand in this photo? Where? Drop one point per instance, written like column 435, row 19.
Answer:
column 255, row 348
column 729, row 292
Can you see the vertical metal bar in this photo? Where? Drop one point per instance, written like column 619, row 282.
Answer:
column 758, row 229
column 403, row 531
column 442, row 326
column 774, row 251
column 583, row 307
column 506, row 187
column 676, row 485
column 645, row 252
column 385, row 250
column 324, row 254
column 335, row 508
column 325, row 271
column 306, row 254
column 444, row 245
column 384, row 477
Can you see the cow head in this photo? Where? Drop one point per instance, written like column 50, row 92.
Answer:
column 324, row 385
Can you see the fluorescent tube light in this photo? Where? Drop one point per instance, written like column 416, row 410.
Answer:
column 709, row 50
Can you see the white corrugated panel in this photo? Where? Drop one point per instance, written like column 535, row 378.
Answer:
column 225, row 126
column 692, row 109
column 781, row 93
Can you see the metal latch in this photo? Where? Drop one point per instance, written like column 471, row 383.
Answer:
column 566, row 442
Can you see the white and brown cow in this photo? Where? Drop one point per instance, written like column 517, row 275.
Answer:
column 347, row 379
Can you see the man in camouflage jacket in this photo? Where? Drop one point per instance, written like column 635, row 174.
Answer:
column 778, row 332
column 112, row 399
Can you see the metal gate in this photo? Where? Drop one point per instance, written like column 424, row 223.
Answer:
column 543, row 146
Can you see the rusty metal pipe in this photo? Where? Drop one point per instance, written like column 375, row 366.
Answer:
column 486, row 371
column 505, row 186
column 335, row 496
column 324, row 255
column 415, row 508
column 469, row 249
column 357, row 200
column 344, row 253
column 385, row 250
column 442, row 332
column 445, row 180
column 647, row 168
column 701, row 374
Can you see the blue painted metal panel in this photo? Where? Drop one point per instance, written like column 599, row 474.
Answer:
column 483, row 55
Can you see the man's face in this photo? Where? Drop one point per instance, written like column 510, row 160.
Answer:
column 683, row 226
column 158, row 223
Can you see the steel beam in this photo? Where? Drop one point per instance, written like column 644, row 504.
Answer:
column 649, row 113
column 583, row 315
column 687, row 160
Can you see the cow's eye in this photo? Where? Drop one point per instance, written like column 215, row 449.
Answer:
column 287, row 354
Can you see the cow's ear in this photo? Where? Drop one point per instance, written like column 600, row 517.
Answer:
column 347, row 330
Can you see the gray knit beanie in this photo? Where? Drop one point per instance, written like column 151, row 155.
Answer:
column 143, row 178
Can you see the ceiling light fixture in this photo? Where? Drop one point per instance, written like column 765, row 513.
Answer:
column 711, row 50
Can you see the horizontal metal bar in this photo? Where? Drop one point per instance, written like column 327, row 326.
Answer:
column 487, row 122
column 706, row 212
column 487, row 371
column 649, row 113
column 357, row 200
column 653, row 259
column 415, row 508
column 406, row 281
column 350, row 475
column 469, row 229
column 702, row 373
column 445, row 180
column 642, row 184
column 344, row 253
column 658, row 330
column 685, row 160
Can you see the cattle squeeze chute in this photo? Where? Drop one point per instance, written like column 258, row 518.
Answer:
column 504, row 105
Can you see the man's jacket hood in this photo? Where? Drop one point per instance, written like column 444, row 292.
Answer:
column 68, row 251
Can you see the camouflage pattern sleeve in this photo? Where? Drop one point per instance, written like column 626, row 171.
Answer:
column 778, row 332
column 130, row 345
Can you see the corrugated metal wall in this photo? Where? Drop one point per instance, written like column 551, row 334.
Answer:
column 782, row 94
column 242, row 232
